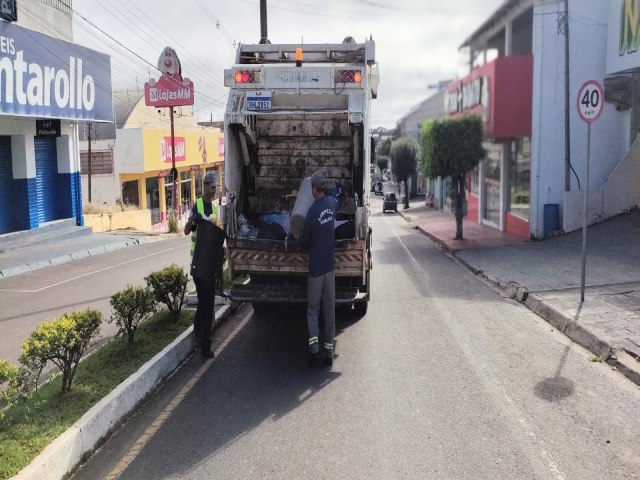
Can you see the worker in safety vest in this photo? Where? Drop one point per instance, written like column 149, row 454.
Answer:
column 207, row 239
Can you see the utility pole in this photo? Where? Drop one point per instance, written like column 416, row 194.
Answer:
column 89, row 161
column 567, row 123
column 263, row 22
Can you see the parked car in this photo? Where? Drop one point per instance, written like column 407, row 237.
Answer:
column 390, row 202
column 378, row 189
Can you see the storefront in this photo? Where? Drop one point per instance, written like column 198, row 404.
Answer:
column 500, row 92
column 144, row 163
column 42, row 98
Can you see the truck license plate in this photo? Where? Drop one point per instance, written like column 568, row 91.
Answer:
column 258, row 101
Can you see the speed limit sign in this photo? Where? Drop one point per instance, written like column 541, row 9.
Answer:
column 590, row 101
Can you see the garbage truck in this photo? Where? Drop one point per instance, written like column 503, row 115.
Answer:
column 294, row 109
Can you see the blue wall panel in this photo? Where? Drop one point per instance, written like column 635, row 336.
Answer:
column 47, row 179
column 7, row 219
column 25, row 203
column 69, row 196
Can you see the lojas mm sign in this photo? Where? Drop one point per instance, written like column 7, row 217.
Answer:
column 171, row 90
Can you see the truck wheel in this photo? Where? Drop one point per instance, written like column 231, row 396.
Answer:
column 261, row 308
column 360, row 308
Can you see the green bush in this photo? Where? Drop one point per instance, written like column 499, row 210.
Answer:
column 62, row 342
column 131, row 306
column 173, row 222
column 9, row 383
column 169, row 287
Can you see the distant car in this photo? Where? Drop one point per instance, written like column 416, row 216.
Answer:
column 378, row 188
column 390, row 202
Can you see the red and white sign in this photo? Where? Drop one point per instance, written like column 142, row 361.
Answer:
column 590, row 101
column 168, row 92
column 221, row 147
column 165, row 149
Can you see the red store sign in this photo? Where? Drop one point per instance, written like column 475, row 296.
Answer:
column 165, row 149
column 500, row 92
column 168, row 92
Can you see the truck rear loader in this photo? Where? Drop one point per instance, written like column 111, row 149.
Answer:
column 292, row 110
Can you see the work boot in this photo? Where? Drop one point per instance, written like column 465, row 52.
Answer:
column 328, row 361
column 207, row 353
column 313, row 359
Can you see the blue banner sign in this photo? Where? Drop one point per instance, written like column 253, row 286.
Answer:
column 42, row 76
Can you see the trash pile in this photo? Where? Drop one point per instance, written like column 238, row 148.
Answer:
column 290, row 224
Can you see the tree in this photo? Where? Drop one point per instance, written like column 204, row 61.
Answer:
column 382, row 162
column 404, row 158
column 385, row 148
column 452, row 147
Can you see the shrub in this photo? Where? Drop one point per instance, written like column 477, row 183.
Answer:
column 132, row 306
column 62, row 342
column 9, row 375
column 169, row 287
column 173, row 222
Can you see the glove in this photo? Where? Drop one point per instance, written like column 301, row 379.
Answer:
column 197, row 218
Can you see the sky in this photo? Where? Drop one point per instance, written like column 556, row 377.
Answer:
column 417, row 41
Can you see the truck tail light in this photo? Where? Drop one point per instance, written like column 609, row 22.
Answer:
column 247, row 76
column 348, row 76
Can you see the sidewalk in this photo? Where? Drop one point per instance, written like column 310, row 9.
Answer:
column 546, row 277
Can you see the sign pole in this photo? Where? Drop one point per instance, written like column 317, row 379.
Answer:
column 170, row 91
column 584, row 216
column 590, row 103
column 173, row 164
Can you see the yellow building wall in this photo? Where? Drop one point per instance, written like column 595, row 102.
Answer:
column 192, row 148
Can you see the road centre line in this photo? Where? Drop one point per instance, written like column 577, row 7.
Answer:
column 151, row 430
column 181, row 247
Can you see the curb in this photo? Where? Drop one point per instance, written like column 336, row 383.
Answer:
column 78, row 442
column 69, row 257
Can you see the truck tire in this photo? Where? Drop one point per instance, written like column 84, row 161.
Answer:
column 360, row 308
column 261, row 309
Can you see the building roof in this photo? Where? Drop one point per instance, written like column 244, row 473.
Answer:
column 497, row 19
column 124, row 102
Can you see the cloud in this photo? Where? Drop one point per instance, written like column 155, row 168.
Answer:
column 416, row 40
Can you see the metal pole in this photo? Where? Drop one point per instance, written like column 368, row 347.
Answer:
column 567, row 117
column 263, row 22
column 89, row 162
column 173, row 163
column 584, row 216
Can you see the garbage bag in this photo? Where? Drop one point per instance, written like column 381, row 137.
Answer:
column 304, row 200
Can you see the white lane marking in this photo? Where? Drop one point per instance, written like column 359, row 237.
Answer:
column 90, row 273
column 488, row 372
column 152, row 429
column 415, row 262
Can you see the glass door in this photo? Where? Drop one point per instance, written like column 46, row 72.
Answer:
column 491, row 207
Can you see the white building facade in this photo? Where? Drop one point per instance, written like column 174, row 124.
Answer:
column 603, row 40
column 47, row 86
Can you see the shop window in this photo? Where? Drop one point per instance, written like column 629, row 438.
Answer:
column 153, row 199
column 520, row 178
column 474, row 180
column 492, row 161
column 198, row 180
column 130, row 194
column 185, row 191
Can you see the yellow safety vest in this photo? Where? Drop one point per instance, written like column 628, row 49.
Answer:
column 200, row 209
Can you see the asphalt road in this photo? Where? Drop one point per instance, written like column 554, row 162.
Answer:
column 442, row 379
column 45, row 294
